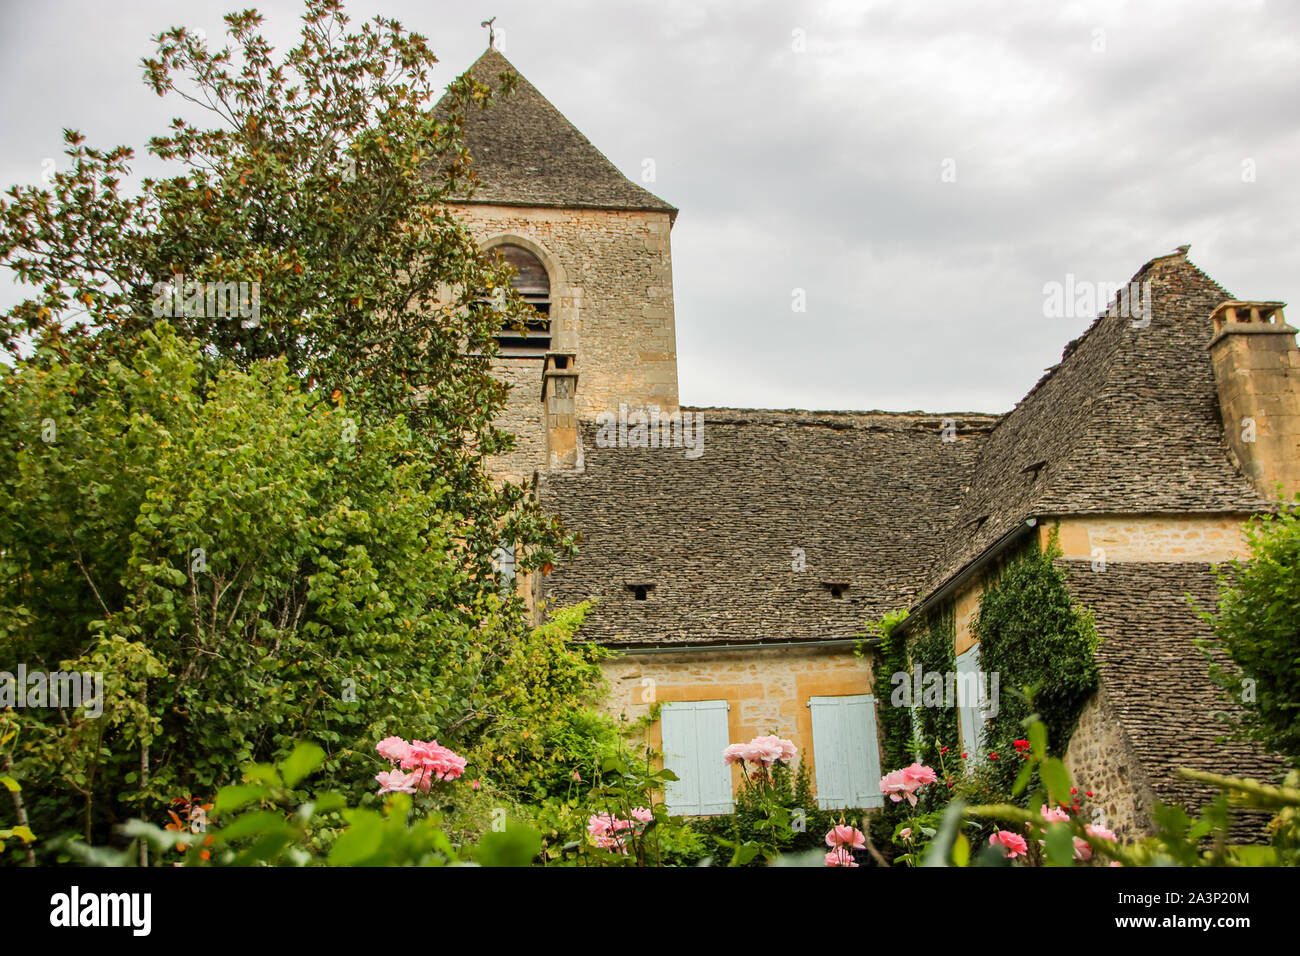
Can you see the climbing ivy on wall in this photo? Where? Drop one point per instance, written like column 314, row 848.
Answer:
column 1031, row 633
column 933, row 650
column 890, row 659
column 897, row 748
column 1043, row 647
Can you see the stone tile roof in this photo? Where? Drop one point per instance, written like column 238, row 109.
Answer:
column 865, row 494
column 525, row 152
column 1127, row 422
column 1155, row 679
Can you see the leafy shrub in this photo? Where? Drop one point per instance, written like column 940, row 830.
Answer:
column 543, row 725
column 242, row 569
column 269, row 820
column 1256, row 623
column 782, row 818
column 1043, row 646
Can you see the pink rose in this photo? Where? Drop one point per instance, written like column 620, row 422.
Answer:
column 773, row 748
column 608, row 841
column 1101, row 833
column 606, row 829
column 1013, row 843
column 435, row 759
column 917, row 776
column 1054, row 815
column 394, row 781
column 394, row 748
column 450, row 767
column 735, row 752
column 763, row 751
column 644, row 814
column 840, row 857
column 1082, row 849
column 415, row 755
column 846, row 836
column 907, row 781
column 893, row 784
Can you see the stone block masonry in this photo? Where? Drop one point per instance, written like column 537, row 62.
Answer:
column 611, row 305
column 768, row 690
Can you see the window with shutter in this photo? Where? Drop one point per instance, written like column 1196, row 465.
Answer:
column 694, row 736
column 846, row 752
column 970, row 702
column 504, row 559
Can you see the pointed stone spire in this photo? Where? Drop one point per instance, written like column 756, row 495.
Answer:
column 526, row 153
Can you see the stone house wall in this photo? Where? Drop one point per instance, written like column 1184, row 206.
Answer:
column 768, row 690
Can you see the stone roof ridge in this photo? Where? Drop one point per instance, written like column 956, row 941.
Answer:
column 525, row 152
column 1171, row 260
column 803, row 416
column 1099, row 431
column 1174, row 260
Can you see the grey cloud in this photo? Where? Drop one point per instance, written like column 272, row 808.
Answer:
column 821, row 170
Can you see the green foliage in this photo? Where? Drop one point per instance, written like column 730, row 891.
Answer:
column 14, row 789
column 276, row 522
column 1256, row 623
column 545, row 691
column 242, row 570
column 1042, row 645
column 1179, row 839
column 778, row 818
column 983, row 782
column 891, row 657
column 324, row 180
column 621, row 785
column 896, row 729
column 267, row 821
column 932, row 650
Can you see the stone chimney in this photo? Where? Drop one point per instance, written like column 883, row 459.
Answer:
column 1257, row 370
column 559, row 390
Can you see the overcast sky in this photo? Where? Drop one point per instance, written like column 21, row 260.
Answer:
column 919, row 170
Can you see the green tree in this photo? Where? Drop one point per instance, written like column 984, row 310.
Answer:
column 322, row 186
column 1257, row 625
column 241, row 568
column 265, row 517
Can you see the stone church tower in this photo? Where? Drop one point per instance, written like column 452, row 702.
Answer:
column 592, row 253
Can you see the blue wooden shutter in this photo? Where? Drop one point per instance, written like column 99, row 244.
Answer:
column 504, row 559
column 694, row 736
column 970, row 710
column 846, row 752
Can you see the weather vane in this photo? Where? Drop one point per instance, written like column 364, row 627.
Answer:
column 492, row 37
